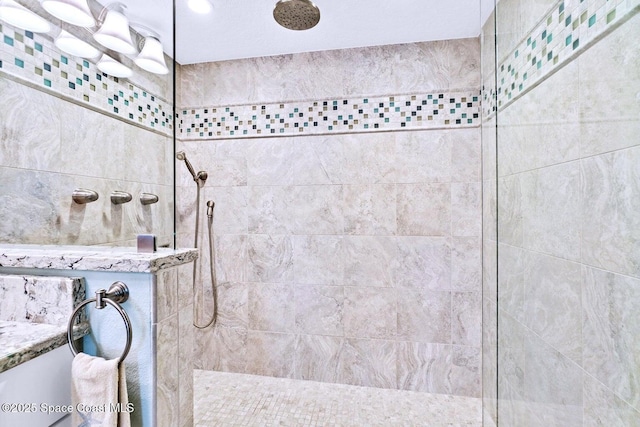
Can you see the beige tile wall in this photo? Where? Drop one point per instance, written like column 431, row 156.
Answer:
column 351, row 258
column 49, row 147
column 568, row 227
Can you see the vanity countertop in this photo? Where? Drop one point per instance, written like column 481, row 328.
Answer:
column 93, row 258
column 23, row 341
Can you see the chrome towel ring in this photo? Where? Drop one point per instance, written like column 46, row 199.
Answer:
column 118, row 293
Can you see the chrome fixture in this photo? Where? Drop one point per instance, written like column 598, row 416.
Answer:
column 296, row 14
column 120, row 197
column 82, row 196
column 72, row 45
column 19, row 16
column 151, row 56
column 110, row 66
column 117, row 294
column 114, row 33
column 74, row 12
column 148, row 198
column 199, row 177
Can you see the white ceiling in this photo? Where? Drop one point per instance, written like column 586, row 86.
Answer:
column 245, row 28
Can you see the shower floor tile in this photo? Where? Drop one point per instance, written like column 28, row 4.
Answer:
column 227, row 399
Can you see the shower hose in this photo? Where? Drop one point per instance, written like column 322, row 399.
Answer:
column 212, row 263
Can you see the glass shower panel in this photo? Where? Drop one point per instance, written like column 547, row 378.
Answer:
column 568, row 192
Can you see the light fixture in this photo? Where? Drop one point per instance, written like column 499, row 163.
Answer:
column 19, row 16
column 74, row 46
column 200, row 6
column 74, row 12
column 110, row 66
column 114, row 32
column 151, row 57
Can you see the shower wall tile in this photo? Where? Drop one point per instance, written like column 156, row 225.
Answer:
column 215, row 345
column 418, row 201
column 112, row 157
column 167, row 389
column 426, row 156
column 611, row 190
column 271, row 354
column 319, row 310
column 610, row 331
column 64, row 134
column 466, row 209
column 230, row 210
column 466, row 312
column 317, row 358
column 270, row 258
column 521, row 148
column 271, row 307
column 233, row 305
column 166, row 300
column 290, row 161
column 346, row 257
column 318, row 260
column 553, row 303
column 422, row 263
column 420, row 367
column 269, row 210
column 510, row 210
column 511, row 280
column 454, row 109
column 371, row 70
column 317, row 209
column 550, row 386
column 466, row 264
column 567, row 236
column 552, row 207
column 370, row 209
column 370, row 312
column 417, row 308
column 603, row 407
column 186, row 364
column 19, row 105
column 368, row 260
column 466, row 159
column 466, row 375
column 234, row 261
column 366, row 159
column 369, row 363
column 34, row 60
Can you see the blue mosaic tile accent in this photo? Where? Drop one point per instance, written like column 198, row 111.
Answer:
column 35, row 59
column 566, row 30
column 434, row 110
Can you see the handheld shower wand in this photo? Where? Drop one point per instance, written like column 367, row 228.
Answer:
column 199, row 177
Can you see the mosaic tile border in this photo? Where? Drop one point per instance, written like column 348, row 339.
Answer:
column 366, row 114
column 567, row 29
column 33, row 58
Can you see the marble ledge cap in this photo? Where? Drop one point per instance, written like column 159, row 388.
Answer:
column 93, row 258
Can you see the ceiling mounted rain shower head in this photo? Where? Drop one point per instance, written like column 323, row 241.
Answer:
column 296, row 14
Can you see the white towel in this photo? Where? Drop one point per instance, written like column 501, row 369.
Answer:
column 99, row 392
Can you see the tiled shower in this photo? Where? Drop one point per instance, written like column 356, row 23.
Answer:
column 453, row 217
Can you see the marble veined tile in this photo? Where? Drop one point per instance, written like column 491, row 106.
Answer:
column 611, row 224
column 318, row 260
column 424, row 209
column 611, row 331
column 319, row 310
